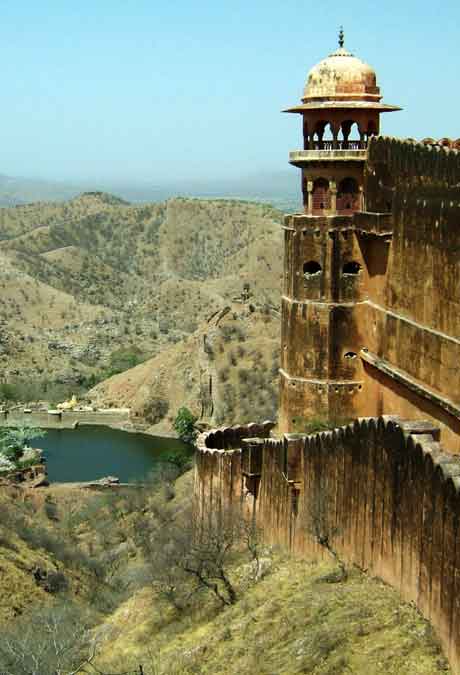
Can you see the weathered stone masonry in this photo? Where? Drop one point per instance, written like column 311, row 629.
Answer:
column 390, row 495
column 370, row 330
column 410, row 321
column 371, row 296
column 398, row 318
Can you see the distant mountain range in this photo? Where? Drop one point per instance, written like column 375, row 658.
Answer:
column 16, row 190
column 280, row 189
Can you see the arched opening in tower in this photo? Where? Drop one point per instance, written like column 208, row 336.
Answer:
column 323, row 137
column 311, row 267
column 321, row 197
column 350, row 136
column 348, row 196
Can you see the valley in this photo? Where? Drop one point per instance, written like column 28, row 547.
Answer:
column 95, row 285
column 154, row 307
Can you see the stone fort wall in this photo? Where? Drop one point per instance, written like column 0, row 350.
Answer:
column 385, row 340
column 383, row 491
column 409, row 322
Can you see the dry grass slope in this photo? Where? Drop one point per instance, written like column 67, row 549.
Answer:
column 85, row 278
column 291, row 622
column 226, row 372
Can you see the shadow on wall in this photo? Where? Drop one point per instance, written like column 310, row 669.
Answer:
column 394, row 396
column 389, row 501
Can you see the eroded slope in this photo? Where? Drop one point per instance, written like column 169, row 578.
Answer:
column 85, row 278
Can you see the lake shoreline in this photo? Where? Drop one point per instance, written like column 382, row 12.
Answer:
column 119, row 418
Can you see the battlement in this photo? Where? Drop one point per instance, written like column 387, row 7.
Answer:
column 382, row 490
column 230, row 438
column 398, row 164
column 446, row 143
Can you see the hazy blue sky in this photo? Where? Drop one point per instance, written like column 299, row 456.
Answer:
column 150, row 91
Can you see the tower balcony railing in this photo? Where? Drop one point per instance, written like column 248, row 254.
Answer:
column 337, row 145
column 328, row 153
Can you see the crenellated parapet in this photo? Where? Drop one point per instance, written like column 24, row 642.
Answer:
column 224, row 469
column 383, row 490
column 230, row 438
column 417, row 159
column 397, row 166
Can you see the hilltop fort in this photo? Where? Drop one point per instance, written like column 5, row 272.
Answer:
column 370, row 337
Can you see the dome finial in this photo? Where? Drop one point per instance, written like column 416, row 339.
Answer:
column 341, row 37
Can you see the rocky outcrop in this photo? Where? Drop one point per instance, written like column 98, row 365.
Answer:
column 31, row 476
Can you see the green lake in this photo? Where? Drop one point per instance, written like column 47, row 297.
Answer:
column 92, row 452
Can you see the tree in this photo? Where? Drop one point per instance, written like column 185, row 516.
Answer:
column 7, row 392
column 125, row 358
column 55, row 639
column 155, row 409
column 206, row 555
column 185, row 559
column 14, row 441
column 184, row 424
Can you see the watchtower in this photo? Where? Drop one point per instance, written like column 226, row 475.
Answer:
column 324, row 275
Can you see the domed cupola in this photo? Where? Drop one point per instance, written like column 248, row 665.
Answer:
column 342, row 81
column 341, row 77
column 341, row 107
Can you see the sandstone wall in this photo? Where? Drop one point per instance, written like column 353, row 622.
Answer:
column 386, row 338
column 319, row 331
column 382, row 490
column 396, row 166
column 411, row 316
